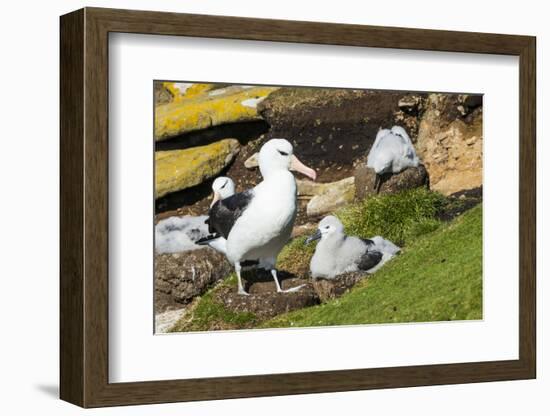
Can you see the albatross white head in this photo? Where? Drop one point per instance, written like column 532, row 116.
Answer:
column 223, row 187
column 277, row 154
column 329, row 228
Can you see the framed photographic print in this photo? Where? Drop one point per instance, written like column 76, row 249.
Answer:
column 256, row 207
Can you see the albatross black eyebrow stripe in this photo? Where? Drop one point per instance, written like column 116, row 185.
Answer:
column 283, row 153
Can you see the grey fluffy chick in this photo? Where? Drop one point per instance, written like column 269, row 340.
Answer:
column 337, row 253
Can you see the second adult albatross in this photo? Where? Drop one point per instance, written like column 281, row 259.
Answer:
column 392, row 152
column 257, row 223
column 222, row 187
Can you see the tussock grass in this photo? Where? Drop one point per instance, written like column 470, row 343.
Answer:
column 398, row 217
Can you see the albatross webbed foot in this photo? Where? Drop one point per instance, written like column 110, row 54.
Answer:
column 279, row 290
column 292, row 289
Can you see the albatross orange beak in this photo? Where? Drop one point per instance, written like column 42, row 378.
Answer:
column 216, row 198
column 298, row 166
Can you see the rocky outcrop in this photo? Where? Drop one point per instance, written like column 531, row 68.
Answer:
column 180, row 277
column 391, row 183
column 252, row 161
column 328, row 289
column 410, row 110
column 180, row 169
column 164, row 321
column 332, row 196
column 218, row 106
column 450, row 142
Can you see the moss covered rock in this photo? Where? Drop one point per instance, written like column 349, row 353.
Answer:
column 180, row 169
column 218, row 106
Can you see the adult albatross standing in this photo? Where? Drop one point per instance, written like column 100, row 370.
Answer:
column 392, row 152
column 257, row 223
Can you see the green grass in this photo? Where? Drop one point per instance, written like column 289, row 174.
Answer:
column 398, row 218
column 437, row 278
column 208, row 314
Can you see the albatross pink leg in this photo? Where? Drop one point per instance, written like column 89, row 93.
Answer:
column 279, row 290
column 240, row 288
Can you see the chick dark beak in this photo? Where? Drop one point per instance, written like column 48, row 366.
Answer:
column 314, row 237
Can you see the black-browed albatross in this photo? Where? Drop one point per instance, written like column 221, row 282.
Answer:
column 222, row 187
column 258, row 223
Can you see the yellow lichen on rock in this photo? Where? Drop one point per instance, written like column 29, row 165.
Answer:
column 219, row 106
column 182, row 91
column 180, row 169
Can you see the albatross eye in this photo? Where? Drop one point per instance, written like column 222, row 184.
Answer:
column 223, row 186
column 282, row 153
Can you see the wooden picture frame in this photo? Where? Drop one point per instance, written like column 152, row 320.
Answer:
column 84, row 207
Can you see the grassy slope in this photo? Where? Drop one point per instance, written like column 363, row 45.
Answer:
column 206, row 314
column 438, row 277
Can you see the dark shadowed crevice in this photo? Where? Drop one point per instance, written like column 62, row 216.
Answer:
column 243, row 132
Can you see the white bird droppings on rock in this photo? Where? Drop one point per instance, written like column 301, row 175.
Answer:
column 252, row 102
column 182, row 86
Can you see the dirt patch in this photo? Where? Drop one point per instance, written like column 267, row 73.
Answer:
column 460, row 202
column 328, row 289
column 263, row 300
column 330, row 128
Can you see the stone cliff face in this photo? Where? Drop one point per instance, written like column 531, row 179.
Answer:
column 450, row 142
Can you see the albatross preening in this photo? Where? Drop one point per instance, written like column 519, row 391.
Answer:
column 392, row 152
column 257, row 223
column 222, row 187
column 337, row 253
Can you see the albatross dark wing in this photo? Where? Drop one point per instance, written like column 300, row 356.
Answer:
column 225, row 212
column 370, row 258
